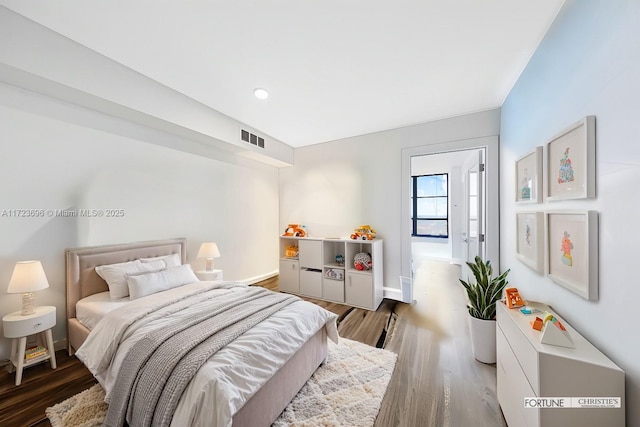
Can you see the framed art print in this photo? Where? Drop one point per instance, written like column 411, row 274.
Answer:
column 529, row 177
column 530, row 239
column 572, row 251
column 571, row 162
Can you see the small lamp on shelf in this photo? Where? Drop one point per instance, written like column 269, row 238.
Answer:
column 209, row 251
column 27, row 277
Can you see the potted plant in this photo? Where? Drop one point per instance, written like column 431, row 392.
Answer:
column 483, row 295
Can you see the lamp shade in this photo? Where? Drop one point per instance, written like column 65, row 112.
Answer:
column 208, row 251
column 28, row 276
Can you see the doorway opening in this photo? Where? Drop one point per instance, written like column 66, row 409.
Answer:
column 471, row 203
column 448, row 208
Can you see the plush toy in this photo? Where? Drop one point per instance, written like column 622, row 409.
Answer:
column 296, row 230
column 364, row 232
column 291, row 252
column 362, row 261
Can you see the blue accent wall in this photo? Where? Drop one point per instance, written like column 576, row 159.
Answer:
column 587, row 64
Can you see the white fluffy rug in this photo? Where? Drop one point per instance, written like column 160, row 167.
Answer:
column 346, row 391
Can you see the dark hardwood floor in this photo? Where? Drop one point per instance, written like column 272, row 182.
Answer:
column 41, row 387
column 436, row 381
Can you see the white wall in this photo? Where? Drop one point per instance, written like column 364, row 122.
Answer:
column 39, row 59
column 588, row 64
column 334, row 187
column 51, row 161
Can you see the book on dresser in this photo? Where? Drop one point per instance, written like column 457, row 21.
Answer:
column 568, row 383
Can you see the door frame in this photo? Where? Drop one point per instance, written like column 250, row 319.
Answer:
column 492, row 170
column 480, row 245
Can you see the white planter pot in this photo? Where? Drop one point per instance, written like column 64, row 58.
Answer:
column 483, row 339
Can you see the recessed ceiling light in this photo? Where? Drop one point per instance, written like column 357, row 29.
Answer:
column 261, row 93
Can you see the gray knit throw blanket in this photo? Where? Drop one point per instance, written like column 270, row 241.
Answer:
column 158, row 368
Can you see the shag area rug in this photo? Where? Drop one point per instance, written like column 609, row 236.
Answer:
column 345, row 391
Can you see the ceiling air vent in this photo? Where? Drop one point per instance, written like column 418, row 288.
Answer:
column 251, row 138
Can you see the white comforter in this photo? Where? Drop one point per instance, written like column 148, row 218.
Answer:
column 231, row 376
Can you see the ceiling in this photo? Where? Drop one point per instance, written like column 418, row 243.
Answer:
column 334, row 69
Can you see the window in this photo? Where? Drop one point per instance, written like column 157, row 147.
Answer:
column 430, row 205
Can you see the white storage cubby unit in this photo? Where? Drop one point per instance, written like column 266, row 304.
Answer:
column 317, row 270
column 527, row 368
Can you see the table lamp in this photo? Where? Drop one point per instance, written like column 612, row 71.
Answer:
column 209, row 251
column 27, row 277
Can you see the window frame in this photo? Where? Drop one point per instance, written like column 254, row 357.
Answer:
column 414, row 207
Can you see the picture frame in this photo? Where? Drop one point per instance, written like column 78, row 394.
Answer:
column 572, row 251
column 529, row 177
column 530, row 239
column 571, row 162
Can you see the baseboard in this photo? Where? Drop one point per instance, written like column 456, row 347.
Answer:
column 256, row 279
column 60, row 344
column 394, row 294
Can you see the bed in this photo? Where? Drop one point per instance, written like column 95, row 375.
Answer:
column 272, row 384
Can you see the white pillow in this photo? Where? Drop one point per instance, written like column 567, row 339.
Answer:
column 116, row 274
column 151, row 283
column 172, row 260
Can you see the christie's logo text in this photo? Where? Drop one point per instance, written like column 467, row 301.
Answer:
column 572, row 402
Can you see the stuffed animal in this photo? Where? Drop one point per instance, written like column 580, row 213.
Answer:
column 291, row 252
column 362, row 261
column 364, row 232
column 296, row 230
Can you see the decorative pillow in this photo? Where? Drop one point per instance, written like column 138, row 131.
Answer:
column 116, row 274
column 172, row 260
column 151, row 283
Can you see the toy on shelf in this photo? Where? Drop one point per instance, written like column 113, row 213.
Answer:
column 291, row 251
column 362, row 261
column 364, row 232
column 513, row 298
column 340, row 259
column 334, row 274
column 295, row 230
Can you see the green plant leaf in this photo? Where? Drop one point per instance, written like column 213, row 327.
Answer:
column 485, row 291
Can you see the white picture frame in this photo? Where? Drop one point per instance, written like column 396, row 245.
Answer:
column 530, row 239
column 571, row 162
column 572, row 251
column 529, row 177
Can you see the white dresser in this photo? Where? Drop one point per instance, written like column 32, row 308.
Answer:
column 528, row 368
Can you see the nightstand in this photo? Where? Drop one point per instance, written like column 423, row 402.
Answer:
column 19, row 327
column 212, row 275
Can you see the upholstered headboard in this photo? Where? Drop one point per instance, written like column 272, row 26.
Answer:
column 82, row 279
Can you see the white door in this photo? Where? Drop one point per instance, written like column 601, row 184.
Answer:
column 475, row 232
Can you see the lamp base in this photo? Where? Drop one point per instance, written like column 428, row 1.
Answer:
column 208, row 266
column 28, row 303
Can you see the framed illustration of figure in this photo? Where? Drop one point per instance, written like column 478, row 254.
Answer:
column 529, row 177
column 571, row 162
column 530, row 239
column 572, row 251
